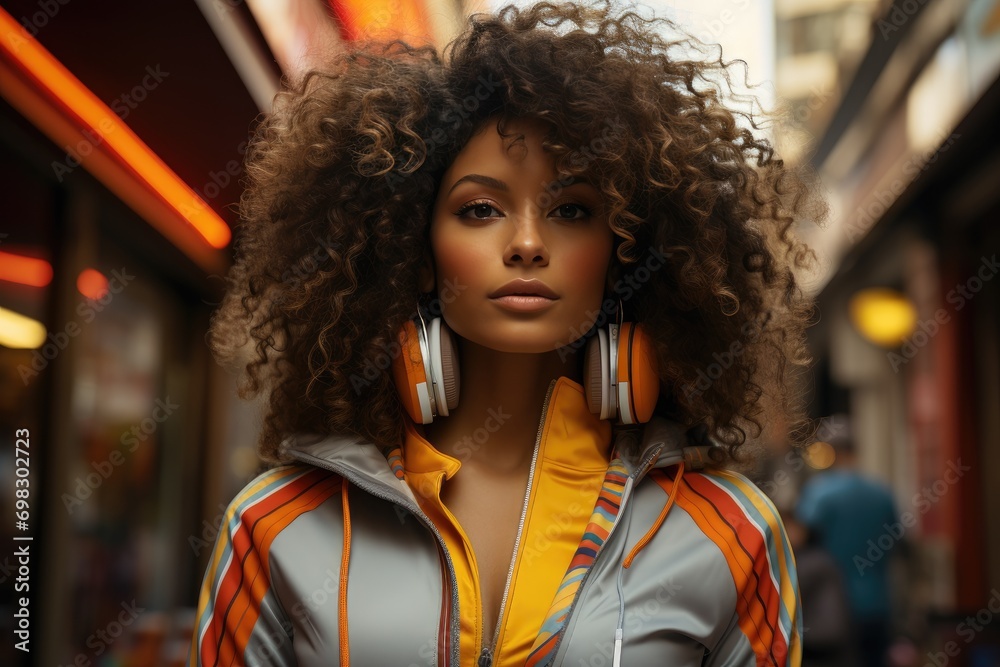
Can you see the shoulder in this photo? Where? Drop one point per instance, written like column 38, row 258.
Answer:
column 745, row 510
column 733, row 510
column 241, row 616
column 727, row 500
column 738, row 517
column 284, row 483
column 744, row 556
column 746, row 528
column 276, row 497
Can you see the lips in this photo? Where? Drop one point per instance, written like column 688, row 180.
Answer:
column 525, row 288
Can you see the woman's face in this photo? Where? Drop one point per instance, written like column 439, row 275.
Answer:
column 502, row 217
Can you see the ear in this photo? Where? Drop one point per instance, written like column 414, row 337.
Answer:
column 425, row 278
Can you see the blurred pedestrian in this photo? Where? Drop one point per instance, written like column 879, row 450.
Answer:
column 849, row 512
column 828, row 638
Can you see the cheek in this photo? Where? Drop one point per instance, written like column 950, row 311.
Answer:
column 588, row 265
column 456, row 259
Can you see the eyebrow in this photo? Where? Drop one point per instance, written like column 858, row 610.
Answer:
column 497, row 184
column 482, row 180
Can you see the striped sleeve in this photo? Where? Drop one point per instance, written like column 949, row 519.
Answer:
column 766, row 628
column 240, row 621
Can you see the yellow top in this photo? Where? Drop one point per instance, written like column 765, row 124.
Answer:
column 572, row 459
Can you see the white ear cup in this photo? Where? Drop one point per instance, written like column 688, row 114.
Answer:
column 426, row 372
column 425, row 403
column 620, row 377
column 600, row 368
column 437, row 371
column 606, row 408
column 626, row 414
column 611, row 386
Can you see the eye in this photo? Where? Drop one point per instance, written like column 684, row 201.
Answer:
column 478, row 207
column 571, row 207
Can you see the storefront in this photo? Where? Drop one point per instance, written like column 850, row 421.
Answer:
column 107, row 283
column 917, row 168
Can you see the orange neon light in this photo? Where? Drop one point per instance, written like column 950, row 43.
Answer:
column 95, row 118
column 29, row 271
column 92, row 284
column 383, row 20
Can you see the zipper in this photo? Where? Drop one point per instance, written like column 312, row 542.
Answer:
column 445, row 620
column 380, row 491
column 487, row 654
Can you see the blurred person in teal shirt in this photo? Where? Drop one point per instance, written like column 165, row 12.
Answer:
column 854, row 518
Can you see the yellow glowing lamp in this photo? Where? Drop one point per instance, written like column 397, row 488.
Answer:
column 820, row 455
column 883, row 316
column 20, row 332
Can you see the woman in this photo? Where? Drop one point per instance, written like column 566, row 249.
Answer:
column 553, row 275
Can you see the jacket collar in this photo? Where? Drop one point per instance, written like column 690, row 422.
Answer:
column 358, row 460
column 666, row 442
column 572, row 436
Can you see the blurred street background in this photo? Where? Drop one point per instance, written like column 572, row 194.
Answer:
column 122, row 132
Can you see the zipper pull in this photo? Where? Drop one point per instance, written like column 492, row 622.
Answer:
column 486, row 657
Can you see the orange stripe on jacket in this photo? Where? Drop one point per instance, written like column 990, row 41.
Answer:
column 740, row 542
column 265, row 529
column 245, row 585
column 785, row 561
column 766, row 598
column 207, row 645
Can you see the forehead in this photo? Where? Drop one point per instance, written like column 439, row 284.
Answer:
column 520, row 146
column 521, row 137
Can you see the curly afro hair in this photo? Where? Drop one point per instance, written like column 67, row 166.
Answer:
column 342, row 176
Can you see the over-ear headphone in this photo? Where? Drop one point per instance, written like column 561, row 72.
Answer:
column 620, row 378
column 426, row 370
column 619, row 372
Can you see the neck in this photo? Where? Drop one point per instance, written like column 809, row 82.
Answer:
column 494, row 427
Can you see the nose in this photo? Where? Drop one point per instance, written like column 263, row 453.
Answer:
column 526, row 244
